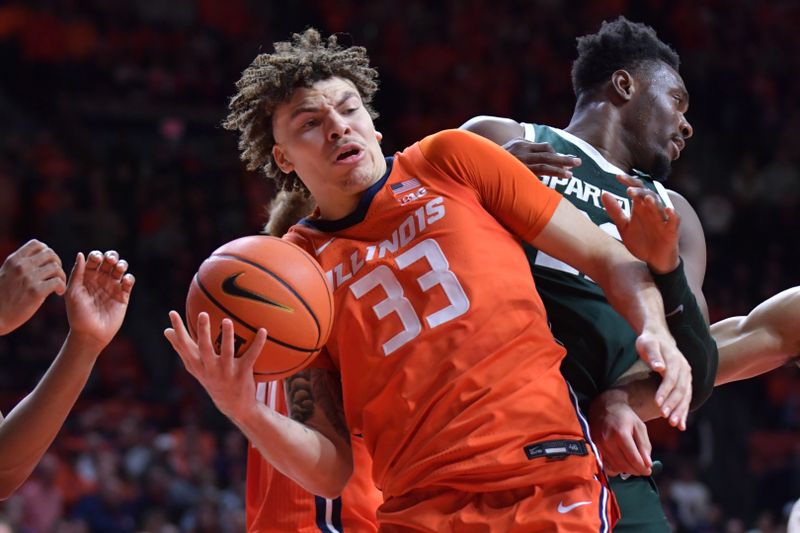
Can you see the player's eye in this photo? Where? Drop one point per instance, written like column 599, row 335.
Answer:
column 310, row 123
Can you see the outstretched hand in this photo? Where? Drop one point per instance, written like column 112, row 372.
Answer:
column 541, row 158
column 27, row 277
column 227, row 379
column 651, row 231
column 97, row 296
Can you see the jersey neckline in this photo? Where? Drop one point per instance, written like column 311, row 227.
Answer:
column 360, row 211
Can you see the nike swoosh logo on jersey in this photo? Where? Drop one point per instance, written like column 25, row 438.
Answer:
column 567, row 508
column 321, row 248
column 229, row 286
column 677, row 310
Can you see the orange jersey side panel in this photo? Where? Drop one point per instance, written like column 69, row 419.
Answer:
column 448, row 366
column 275, row 503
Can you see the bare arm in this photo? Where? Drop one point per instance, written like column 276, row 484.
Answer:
column 765, row 339
column 97, row 298
column 692, row 246
column 540, row 158
column 312, row 449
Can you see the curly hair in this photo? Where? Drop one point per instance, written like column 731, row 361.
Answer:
column 271, row 79
column 620, row 44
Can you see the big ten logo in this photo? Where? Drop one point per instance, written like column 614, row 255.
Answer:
column 238, row 342
column 410, row 197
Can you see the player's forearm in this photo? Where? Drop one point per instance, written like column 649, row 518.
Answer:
column 765, row 339
column 29, row 429
column 629, row 288
column 302, row 453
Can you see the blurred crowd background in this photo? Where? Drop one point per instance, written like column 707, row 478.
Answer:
column 110, row 139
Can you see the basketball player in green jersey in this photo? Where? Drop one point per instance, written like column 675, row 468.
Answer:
column 629, row 121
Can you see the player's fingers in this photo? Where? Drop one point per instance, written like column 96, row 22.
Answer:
column 78, row 270
column 634, row 462
column 93, row 260
column 45, row 256
column 110, row 259
column 630, row 181
column 54, row 285
column 535, row 147
column 128, row 280
column 675, row 399
column 180, row 329
column 50, row 270
column 53, row 279
column 614, row 210
column 645, row 204
column 204, row 334
column 249, row 357
column 119, row 269
column 227, row 346
column 550, row 170
column 550, row 158
column 30, row 248
column 643, row 445
column 173, row 337
column 673, row 220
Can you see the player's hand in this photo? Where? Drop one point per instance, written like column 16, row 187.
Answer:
column 651, row 231
column 97, row 297
column 227, row 379
column 541, row 158
column 27, row 277
column 675, row 392
column 620, row 434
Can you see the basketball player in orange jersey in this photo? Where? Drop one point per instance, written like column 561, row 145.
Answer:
column 275, row 503
column 96, row 296
column 440, row 356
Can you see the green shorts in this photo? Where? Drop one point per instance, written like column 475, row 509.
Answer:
column 639, row 506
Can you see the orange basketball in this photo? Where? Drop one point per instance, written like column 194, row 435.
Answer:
column 262, row 281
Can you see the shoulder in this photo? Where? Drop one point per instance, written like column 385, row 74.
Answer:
column 456, row 145
column 682, row 205
column 297, row 235
column 498, row 129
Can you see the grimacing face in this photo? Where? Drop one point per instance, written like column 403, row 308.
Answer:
column 326, row 135
column 659, row 129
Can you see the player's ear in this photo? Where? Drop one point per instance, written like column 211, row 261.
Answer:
column 378, row 135
column 623, row 84
column 281, row 160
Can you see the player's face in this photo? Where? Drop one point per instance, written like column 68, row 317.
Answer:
column 325, row 134
column 659, row 128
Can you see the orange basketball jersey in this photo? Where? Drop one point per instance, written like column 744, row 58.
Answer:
column 275, row 503
column 448, row 367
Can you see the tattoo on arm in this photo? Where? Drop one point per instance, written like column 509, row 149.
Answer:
column 314, row 388
column 298, row 396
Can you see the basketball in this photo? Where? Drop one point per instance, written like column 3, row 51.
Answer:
column 265, row 282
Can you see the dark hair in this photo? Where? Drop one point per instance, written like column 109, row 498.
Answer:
column 620, row 44
column 271, row 79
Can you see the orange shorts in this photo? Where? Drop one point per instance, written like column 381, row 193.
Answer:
column 568, row 505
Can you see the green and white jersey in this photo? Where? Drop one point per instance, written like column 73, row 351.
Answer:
column 599, row 342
